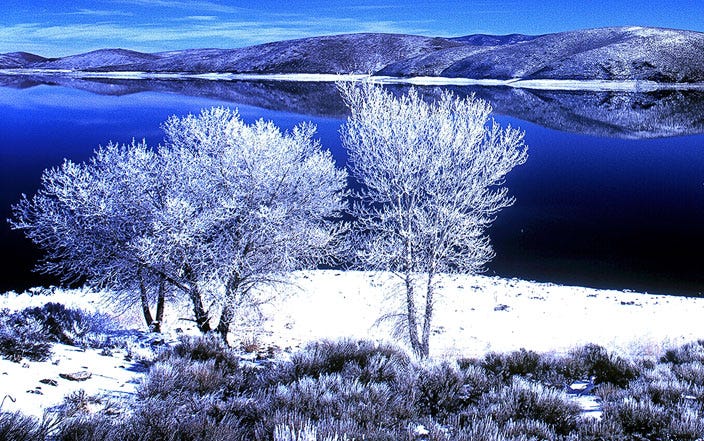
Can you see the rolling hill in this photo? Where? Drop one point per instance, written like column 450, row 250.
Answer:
column 617, row 53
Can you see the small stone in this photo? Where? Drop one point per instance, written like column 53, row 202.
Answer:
column 76, row 376
column 49, row 381
column 35, row 392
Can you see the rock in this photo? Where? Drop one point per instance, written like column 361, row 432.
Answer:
column 49, row 381
column 76, row 376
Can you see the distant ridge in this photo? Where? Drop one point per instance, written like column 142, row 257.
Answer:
column 494, row 40
column 612, row 54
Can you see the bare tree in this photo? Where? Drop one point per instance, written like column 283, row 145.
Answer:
column 430, row 177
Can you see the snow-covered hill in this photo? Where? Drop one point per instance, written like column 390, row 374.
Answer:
column 617, row 53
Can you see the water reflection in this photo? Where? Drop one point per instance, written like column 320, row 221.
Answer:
column 612, row 194
column 627, row 115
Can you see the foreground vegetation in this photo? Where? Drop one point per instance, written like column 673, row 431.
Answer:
column 200, row 389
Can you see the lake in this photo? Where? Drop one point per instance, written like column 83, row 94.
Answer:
column 612, row 194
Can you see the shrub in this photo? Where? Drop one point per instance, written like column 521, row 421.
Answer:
column 480, row 429
column 523, row 400
column 17, row 427
column 22, row 336
column 591, row 429
column 505, row 366
column 203, row 348
column 179, row 377
column 638, row 417
column 686, row 425
column 331, row 396
column 477, row 382
column 96, row 427
column 531, row 429
column 307, row 432
column 685, row 354
column 440, row 390
column 662, row 392
column 691, row 372
column 363, row 359
column 66, row 325
column 594, row 361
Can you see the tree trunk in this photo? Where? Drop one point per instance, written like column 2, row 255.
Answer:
column 223, row 328
column 160, row 300
column 201, row 317
column 199, row 313
column 228, row 309
column 144, row 298
column 428, row 316
column 412, row 317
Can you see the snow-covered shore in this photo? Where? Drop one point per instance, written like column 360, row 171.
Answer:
column 519, row 83
column 474, row 315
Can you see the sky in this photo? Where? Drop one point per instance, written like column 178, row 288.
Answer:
column 55, row 28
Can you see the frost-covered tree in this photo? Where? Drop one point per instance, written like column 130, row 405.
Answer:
column 430, row 176
column 89, row 217
column 220, row 208
column 247, row 203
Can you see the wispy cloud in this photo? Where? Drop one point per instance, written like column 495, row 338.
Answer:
column 191, row 31
column 197, row 5
column 101, row 13
column 202, row 17
column 370, row 7
column 196, row 18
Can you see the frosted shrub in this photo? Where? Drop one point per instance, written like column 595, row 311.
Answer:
column 684, row 354
column 363, row 359
column 23, row 336
column 203, row 348
column 307, row 432
column 440, row 389
column 506, row 365
column 532, row 429
column 523, row 400
column 594, row 361
column 691, row 372
column 71, row 326
column 638, row 417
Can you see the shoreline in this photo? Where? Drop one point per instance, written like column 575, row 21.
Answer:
column 596, row 85
column 473, row 315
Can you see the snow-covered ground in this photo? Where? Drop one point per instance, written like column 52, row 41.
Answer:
column 474, row 315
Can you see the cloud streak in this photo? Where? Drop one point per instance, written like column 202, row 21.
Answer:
column 180, row 4
column 201, row 31
column 101, row 13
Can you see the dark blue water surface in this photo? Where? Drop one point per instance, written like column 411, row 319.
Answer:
column 593, row 211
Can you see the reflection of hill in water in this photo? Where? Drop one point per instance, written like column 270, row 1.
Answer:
column 635, row 115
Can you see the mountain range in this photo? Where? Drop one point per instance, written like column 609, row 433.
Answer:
column 616, row 53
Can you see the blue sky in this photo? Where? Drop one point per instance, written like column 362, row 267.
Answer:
column 63, row 27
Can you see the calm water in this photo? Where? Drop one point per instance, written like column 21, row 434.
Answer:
column 591, row 209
